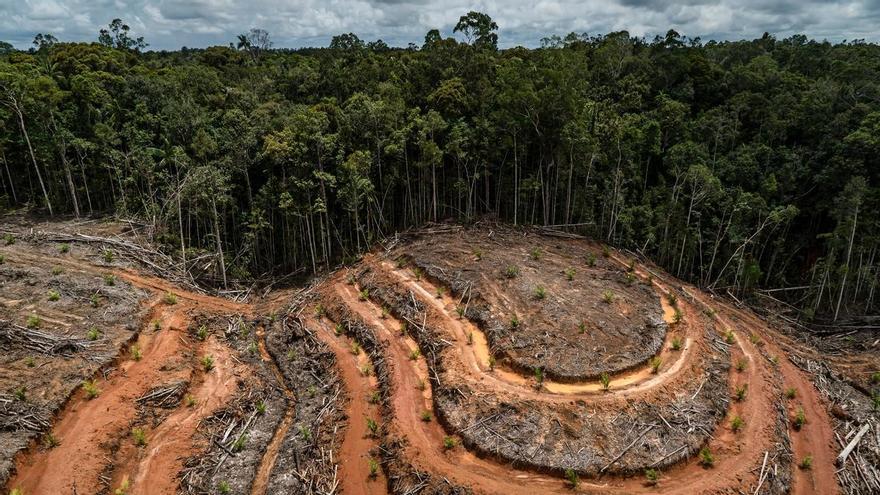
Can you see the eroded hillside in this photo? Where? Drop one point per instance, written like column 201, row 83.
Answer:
column 449, row 360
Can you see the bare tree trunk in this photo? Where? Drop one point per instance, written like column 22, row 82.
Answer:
column 219, row 244
column 33, row 157
column 11, row 184
column 852, row 237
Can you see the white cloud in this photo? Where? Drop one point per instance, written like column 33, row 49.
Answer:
column 169, row 24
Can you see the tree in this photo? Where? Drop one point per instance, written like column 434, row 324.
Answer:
column 116, row 36
column 43, row 42
column 479, row 30
column 255, row 42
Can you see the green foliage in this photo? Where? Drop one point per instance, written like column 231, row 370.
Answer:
column 569, row 274
column 572, row 478
column 261, row 407
column 605, row 380
column 139, row 437
column 170, row 298
column 202, row 332
column 414, row 354
column 91, row 389
column 591, row 259
column 511, row 271
column 372, row 427
column 790, row 393
column 689, row 152
column 676, row 344
column 33, row 322
column 607, row 296
column 540, row 292
column 20, row 393
column 806, row 463
column 109, row 279
column 799, row 419
column 706, row 457
column 741, row 364
column 364, row 294
column 57, row 270
column 53, row 295
column 8, row 239
column 108, row 256
column 239, row 443
column 190, row 400
column 64, row 248
column 426, row 416
column 50, row 441
column 514, row 322
column 223, row 487
column 535, row 254
column 652, row 476
column 739, row 392
column 374, row 467
column 207, row 362
column 655, row 363
column 449, row 443
column 736, row 423
column 135, row 351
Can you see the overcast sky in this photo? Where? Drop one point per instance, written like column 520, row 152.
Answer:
column 170, row 24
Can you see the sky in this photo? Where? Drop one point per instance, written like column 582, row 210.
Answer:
column 171, row 24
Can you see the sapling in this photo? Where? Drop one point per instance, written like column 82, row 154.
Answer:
column 91, row 389
column 572, row 477
column 540, row 292
column 261, row 407
column 706, row 457
column 676, row 344
column 170, row 298
column 373, row 427
column 53, row 295
column 426, row 416
column 414, row 354
column 108, row 256
column 591, row 259
column 605, row 378
column 64, row 248
column 740, row 392
column 135, row 351
column 652, row 476
column 20, row 393
column 790, row 393
column 50, row 441
column 202, row 332
column 655, row 364
column 535, row 254
column 33, row 322
column 569, row 274
column 511, row 271
column 224, row 488
column 140, row 438
column 9, row 239
column 374, row 468
column 109, row 279
column 607, row 296
column 800, row 418
column 208, row 362
column 806, row 462
column 741, row 365
column 364, row 294
column 736, row 424
column 449, row 443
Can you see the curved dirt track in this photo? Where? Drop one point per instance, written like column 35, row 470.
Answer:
column 738, row 455
column 97, row 431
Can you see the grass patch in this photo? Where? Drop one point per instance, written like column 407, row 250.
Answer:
column 53, row 295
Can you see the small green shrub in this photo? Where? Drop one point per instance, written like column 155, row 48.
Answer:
column 740, row 392
column 338, row 329
column 64, row 248
column 535, row 254
column 652, row 476
column 741, row 365
column 729, row 337
column 50, row 441
column 224, row 488
column 800, row 418
column 374, row 467
column 414, row 354
column 607, row 296
column 572, row 477
column 417, row 273
column 605, row 379
column 540, row 292
column 569, row 274
column 109, row 279
column 875, row 378
column 57, row 270
column 421, row 385
column 20, row 393
column 261, row 407
column 190, row 400
column 355, row 348
column 239, row 443
column 440, row 292
column 366, row 369
column 53, row 295
column 91, row 389
column 706, row 457
column 426, row 416
column 170, row 298
column 676, row 344
column 790, row 393
column 9, row 239
column 123, row 487
column 591, row 259
column 94, row 300
column 672, row 298
column 109, row 256
column 514, row 322
column 135, row 351
column 202, row 332
column 364, row 294
column 30, row 362
column 736, row 424
column 140, row 438
column 606, row 252
column 372, row 428
column 806, row 462
column 2, row 259
column 449, row 443
column 478, row 254
column 511, row 271
column 33, row 322
column 677, row 315
column 491, row 363
column 305, row 433
column 655, row 363
column 539, row 375
column 319, row 310
column 207, row 362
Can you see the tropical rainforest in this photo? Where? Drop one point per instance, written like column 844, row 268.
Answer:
column 736, row 165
